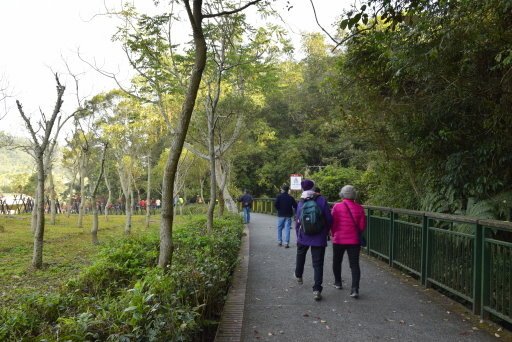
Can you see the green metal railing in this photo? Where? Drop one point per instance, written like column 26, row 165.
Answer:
column 465, row 256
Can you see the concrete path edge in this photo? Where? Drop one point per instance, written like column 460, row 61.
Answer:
column 230, row 326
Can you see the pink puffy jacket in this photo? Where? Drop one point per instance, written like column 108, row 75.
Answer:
column 343, row 229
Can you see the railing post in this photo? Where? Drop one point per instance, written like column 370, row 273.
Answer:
column 477, row 269
column 424, row 250
column 391, row 237
column 368, row 231
column 485, row 295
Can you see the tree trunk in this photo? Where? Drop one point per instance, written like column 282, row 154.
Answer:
column 95, row 221
column 37, row 257
column 129, row 212
column 53, row 206
column 221, row 204
column 109, row 199
column 166, row 242
column 213, row 182
column 124, row 179
column 33, row 219
column 70, row 202
column 222, row 174
column 135, row 202
column 82, row 192
column 148, row 194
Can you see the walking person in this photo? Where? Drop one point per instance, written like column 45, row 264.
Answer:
column 285, row 206
column 348, row 223
column 312, row 226
column 246, row 200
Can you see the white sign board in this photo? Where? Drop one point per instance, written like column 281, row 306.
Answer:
column 295, row 180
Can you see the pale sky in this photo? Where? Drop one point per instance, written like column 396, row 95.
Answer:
column 38, row 35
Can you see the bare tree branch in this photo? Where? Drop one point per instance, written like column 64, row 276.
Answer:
column 236, row 10
column 321, row 27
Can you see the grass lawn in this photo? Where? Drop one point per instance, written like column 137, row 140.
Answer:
column 66, row 250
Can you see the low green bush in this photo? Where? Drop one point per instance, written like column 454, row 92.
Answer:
column 123, row 296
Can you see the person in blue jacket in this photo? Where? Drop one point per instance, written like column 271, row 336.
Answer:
column 246, row 200
column 285, row 206
column 317, row 242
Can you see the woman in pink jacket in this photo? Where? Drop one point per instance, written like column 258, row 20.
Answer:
column 348, row 222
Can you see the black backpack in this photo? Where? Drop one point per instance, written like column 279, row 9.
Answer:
column 311, row 220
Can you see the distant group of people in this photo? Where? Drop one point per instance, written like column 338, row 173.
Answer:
column 153, row 204
column 315, row 223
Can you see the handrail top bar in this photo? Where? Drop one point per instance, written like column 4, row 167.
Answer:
column 496, row 224
column 374, row 207
column 458, row 218
column 440, row 216
column 507, row 225
column 408, row 212
column 451, row 217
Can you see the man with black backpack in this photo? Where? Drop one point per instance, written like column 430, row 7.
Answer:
column 312, row 227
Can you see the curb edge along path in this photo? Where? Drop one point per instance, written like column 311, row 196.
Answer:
column 230, row 326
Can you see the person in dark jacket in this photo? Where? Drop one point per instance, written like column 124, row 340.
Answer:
column 285, row 206
column 317, row 242
column 246, row 200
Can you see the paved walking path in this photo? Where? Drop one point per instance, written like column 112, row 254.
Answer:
column 392, row 306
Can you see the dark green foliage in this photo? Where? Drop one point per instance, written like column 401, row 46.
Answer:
column 124, row 296
column 433, row 98
column 332, row 178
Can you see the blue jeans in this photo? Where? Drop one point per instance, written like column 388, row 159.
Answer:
column 286, row 223
column 317, row 256
column 247, row 214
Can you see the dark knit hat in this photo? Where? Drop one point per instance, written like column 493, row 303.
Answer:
column 285, row 187
column 307, row 184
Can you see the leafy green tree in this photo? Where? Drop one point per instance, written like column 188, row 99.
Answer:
column 331, row 179
column 153, row 52
column 427, row 90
